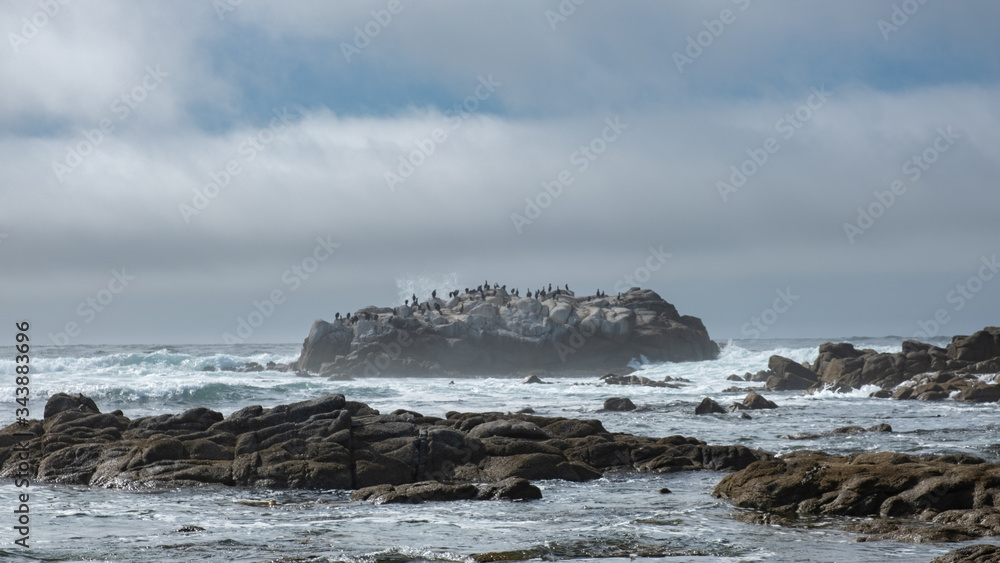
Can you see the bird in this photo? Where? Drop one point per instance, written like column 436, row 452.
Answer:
column 407, row 303
column 461, row 308
column 337, row 316
column 567, row 287
column 550, row 288
column 434, row 294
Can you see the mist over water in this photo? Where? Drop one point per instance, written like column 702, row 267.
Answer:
column 608, row 518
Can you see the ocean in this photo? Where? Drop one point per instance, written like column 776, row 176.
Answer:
column 618, row 517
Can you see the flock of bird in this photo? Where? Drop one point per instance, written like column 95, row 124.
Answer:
column 481, row 292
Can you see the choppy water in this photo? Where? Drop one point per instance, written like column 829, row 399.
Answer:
column 611, row 518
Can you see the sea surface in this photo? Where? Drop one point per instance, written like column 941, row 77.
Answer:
column 618, row 517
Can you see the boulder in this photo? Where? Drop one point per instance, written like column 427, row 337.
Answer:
column 789, row 375
column 619, row 404
column 708, row 406
column 754, row 401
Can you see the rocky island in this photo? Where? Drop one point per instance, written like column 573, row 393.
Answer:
column 493, row 331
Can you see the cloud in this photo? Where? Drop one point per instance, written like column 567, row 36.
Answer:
column 323, row 171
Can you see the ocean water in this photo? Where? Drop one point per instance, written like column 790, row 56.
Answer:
column 618, row 517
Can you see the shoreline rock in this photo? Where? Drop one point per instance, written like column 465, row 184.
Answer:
column 905, row 497
column 332, row 443
column 493, row 332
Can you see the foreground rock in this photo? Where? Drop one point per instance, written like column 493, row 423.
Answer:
column 487, row 331
column 981, row 553
column 332, row 443
column 910, row 498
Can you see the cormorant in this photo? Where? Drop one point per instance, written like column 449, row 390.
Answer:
column 337, row 316
column 434, row 294
column 567, row 287
column 550, row 288
column 407, row 302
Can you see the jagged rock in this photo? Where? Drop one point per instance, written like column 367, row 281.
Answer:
column 789, row 375
column 619, row 404
column 332, row 443
column 707, row 406
column 495, row 333
column 953, row 495
column 843, row 368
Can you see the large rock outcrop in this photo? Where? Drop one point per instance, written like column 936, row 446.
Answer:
column 332, row 443
column 493, row 332
column 967, row 370
column 950, row 497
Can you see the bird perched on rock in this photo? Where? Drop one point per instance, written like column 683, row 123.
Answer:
column 434, row 294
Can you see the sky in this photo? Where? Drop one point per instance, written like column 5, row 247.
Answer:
column 219, row 171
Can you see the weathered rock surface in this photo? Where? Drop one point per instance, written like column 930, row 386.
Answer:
column 494, row 332
column 981, row 553
column 951, row 497
column 332, row 443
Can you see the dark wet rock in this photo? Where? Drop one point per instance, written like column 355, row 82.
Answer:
column 842, row 431
column 64, row 402
column 331, row 443
column 980, row 553
column 415, row 493
column 532, row 379
column 912, row 498
column 619, row 404
column 494, row 332
column 209, row 368
column 708, row 406
column 512, row 488
column 613, row 379
column 734, row 377
column 789, row 375
column 755, row 401
column 665, row 491
column 189, row 529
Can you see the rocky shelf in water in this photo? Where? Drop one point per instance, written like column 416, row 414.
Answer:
column 938, row 498
column 967, row 370
column 495, row 332
column 332, row 443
